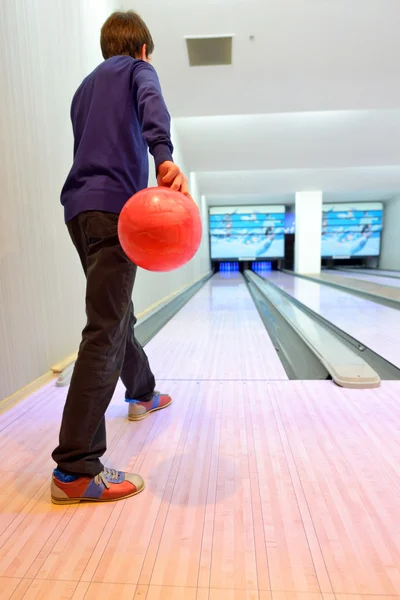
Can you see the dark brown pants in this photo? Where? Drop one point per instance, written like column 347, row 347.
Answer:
column 108, row 349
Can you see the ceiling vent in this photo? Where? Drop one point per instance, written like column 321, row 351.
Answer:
column 209, row 51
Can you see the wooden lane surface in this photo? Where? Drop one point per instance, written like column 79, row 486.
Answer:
column 217, row 335
column 256, row 490
column 380, row 280
column 278, row 490
column 384, row 291
column 349, row 479
column 379, row 272
column 374, row 325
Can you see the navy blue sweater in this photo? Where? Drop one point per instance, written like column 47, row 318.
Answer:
column 117, row 113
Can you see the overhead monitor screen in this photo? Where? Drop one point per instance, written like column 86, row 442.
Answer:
column 247, row 232
column 351, row 229
column 290, row 223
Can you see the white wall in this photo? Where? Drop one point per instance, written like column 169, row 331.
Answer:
column 390, row 253
column 46, row 48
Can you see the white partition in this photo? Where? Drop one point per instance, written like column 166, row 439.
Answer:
column 308, row 232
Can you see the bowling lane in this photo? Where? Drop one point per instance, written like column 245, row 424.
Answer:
column 365, row 276
column 379, row 272
column 387, row 292
column 376, row 326
column 218, row 335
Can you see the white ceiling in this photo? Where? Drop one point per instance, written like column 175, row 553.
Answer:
column 373, row 183
column 289, row 199
column 291, row 140
column 307, row 54
column 307, row 103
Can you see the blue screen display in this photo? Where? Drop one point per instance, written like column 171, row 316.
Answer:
column 290, row 223
column 351, row 230
column 247, row 233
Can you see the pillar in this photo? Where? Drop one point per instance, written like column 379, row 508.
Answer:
column 308, row 233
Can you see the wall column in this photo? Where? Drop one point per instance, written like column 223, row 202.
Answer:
column 308, row 233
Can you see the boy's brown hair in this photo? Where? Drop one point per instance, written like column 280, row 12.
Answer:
column 125, row 33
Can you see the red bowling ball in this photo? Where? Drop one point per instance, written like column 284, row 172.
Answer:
column 159, row 229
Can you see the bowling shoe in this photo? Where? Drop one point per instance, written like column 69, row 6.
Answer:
column 140, row 410
column 108, row 486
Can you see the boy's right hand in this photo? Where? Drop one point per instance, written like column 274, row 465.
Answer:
column 170, row 175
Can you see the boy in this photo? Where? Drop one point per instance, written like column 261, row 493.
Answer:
column 117, row 113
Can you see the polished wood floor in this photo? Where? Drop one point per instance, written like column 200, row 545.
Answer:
column 257, row 489
column 388, row 291
column 377, row 327
column 379, row 279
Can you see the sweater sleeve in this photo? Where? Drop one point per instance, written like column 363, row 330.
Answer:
column 153, row 114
